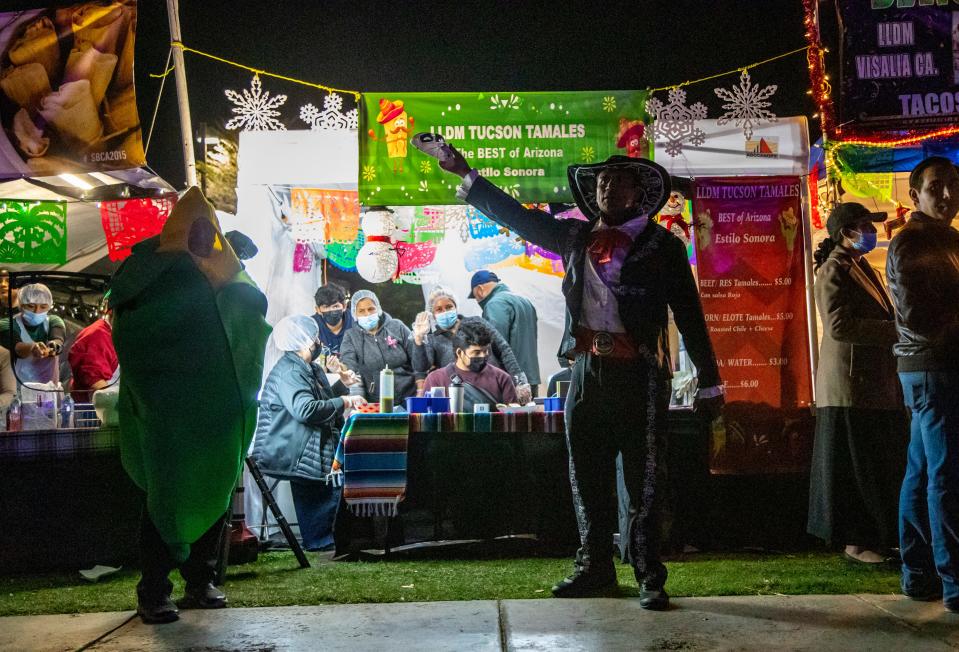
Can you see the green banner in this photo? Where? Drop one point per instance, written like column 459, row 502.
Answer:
column 522, row 142
column 33, row 232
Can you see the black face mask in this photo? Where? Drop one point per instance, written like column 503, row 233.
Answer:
column 477, row 365
column 333, row 317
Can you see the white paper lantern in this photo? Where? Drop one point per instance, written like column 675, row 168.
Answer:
column 377, row 261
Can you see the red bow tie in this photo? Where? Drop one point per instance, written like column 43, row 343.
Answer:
column 603, row 243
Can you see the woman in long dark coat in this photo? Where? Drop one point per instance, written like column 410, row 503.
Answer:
column 859, row 450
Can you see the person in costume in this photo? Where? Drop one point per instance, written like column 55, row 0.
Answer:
column 190, row 333
column 623, row 271
column 38, row 336
column 299, row 425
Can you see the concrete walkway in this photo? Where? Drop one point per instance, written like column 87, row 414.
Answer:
column 854, row 622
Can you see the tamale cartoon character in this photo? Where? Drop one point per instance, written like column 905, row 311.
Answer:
column 190, row 334
column 396, row 125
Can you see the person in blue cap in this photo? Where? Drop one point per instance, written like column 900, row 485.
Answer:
column 513, row 316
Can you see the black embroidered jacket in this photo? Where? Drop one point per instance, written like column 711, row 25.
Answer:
column 655, row 275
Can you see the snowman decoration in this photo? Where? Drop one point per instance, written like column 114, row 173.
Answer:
column 378, row 259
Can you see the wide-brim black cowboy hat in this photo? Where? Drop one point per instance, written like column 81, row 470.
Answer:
column 653, row 181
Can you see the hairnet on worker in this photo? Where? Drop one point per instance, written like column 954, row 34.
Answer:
column 295, row 333
column 36, row 293
column 365, row 294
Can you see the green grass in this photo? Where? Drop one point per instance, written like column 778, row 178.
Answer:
column 276, row 580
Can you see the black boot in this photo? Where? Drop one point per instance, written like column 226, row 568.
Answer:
column 587, row 580
column 156, row 609
column 653, row 596
column 203, row 597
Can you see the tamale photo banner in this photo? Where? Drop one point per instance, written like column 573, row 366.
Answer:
column 67, row 100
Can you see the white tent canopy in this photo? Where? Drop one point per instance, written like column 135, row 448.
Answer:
column 329, row 159
column 86, row 242
column 778, row 148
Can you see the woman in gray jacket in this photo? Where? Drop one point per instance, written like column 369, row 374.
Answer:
column 298, row 428
column 375, row 341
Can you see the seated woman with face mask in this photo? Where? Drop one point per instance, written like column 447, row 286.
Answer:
column 299, row 425
column 38, row 336
column 375, row 341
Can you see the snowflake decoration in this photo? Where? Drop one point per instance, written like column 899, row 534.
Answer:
column 255, row 110
column 512, row 190
column 369, row 173
column 424, row 186
column 676, row 122
column 609, row 104
column 588, row 154
column 746, row 104
column 426, row 167
column 511, row 102
column 457, row 219
column 331, row 117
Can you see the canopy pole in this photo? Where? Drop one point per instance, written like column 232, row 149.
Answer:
column 183, row 100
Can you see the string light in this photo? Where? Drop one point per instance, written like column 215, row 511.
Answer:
column 901, row 141
column 820, row 88
column 256, row 71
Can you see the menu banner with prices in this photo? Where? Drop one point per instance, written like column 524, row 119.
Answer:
column 751, row 270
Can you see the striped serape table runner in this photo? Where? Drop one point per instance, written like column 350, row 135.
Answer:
column 371, row 463
column 549, row 422
column 370, row 460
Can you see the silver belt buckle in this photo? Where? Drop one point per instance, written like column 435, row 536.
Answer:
column 602, row 343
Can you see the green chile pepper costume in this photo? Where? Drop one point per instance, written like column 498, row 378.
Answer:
column 190, row 334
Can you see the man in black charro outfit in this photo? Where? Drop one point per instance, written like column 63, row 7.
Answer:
column 622, row 272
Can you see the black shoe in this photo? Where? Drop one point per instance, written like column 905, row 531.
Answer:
column 204, row 597
column 156, row 610
column 923, row 594
column 952, row 606
column 585, row 584
column 653, row 597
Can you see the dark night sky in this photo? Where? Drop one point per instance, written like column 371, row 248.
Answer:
column 459, row 45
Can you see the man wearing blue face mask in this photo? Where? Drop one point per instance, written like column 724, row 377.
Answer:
column 859, row 449
column 38, row 336
column 433, row 334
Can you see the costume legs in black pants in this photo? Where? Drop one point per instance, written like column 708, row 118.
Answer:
column 618, row 407
column 156, row 562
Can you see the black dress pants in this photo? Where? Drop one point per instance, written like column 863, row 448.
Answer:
column 618, row 407
column 156, row 562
